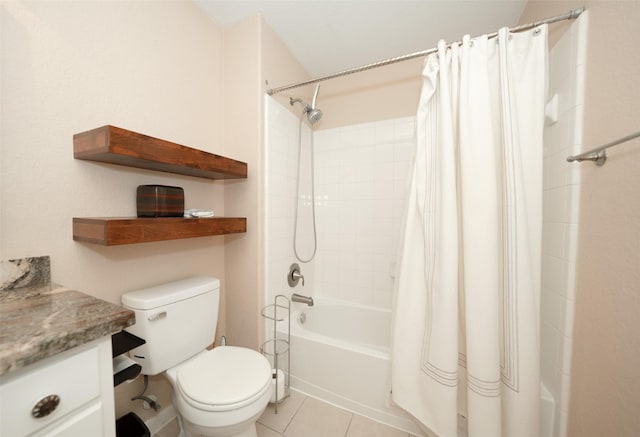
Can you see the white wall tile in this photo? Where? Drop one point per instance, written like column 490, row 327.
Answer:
column 553, row 308
column 569, row 290
column 560, row 208
column 554, row 275
column 556, row 204
column 404, row 150
column 557, row 135
column 576, row 127
column 550, row 340
column 565, row 364
column 554, row 239
column 579, row 85
column 382, row 153
column 366, row 134
column 404, row 129
column 565, row 381
column 559, row 70
column 562, row 424
column 357, row 171
column 572, row 241
column 384, row 131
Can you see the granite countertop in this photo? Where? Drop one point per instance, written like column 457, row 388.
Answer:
column 41, row 321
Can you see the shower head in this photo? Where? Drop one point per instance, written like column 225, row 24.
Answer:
column 313, row 114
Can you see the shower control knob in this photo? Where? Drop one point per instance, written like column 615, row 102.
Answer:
column 294, row 275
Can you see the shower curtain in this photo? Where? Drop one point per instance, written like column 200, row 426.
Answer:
column 466, row 321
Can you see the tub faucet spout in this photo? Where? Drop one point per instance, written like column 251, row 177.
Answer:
column 295, row 297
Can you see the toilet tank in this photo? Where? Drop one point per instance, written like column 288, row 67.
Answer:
column 177, row 320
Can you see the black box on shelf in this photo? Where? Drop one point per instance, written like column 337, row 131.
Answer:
column 160, row 201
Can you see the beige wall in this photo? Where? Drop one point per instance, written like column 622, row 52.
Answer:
column 605, row 387
column 374, row 95
column 163, row 69
column 380, row 94
column 70, row 67
column 280, row 67
column 265, row 60
column 242, row 198
column 152, row 67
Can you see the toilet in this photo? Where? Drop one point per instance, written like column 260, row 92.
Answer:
column 217, row 393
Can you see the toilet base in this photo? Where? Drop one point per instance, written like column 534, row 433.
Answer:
column 190, row 430
column 248, row 433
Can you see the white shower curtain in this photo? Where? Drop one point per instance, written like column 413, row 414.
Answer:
column 466, row 321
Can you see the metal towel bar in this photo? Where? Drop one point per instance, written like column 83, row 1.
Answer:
column 599, row 154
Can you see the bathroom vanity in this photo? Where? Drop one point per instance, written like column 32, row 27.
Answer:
column 56, row 375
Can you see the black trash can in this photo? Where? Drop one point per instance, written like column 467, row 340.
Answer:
column 130, row 425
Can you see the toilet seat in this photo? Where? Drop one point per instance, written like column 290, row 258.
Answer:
column 223, row 379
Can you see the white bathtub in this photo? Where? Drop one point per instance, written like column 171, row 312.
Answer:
column 340, row 354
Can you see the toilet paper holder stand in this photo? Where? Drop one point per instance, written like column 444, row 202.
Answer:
column 276, row 349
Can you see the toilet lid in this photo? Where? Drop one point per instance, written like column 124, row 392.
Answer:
column 225, row 375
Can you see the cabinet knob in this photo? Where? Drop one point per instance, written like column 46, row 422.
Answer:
column 45, row 406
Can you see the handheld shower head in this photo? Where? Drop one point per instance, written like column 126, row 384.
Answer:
column 313, row 114
column 315, row 96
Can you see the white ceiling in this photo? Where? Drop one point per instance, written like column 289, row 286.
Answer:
column 327, row 36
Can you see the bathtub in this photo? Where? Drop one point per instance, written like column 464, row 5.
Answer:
column 340, row 354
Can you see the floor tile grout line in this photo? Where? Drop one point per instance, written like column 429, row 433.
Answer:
column 305, row 398
column 268, row 427
column 281, row 433
column 294, row 415
column 349, row 425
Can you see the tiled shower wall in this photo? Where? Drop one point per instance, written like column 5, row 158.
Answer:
column 361, row 178
column 560, row 216
column 282, row 162
column 361, row 186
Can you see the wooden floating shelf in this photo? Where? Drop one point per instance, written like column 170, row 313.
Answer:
column 131, row 230
column 119, row 146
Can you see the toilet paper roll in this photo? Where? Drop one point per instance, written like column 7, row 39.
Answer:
column 120, row 363
column 280, row 385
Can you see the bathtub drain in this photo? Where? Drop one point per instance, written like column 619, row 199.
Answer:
column 302, row 318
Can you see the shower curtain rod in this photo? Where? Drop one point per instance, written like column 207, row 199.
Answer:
column 571, row 15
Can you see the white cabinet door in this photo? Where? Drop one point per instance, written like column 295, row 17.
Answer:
column 82, row 380
column 88, row 422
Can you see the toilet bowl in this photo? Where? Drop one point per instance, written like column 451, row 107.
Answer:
column 219, row 392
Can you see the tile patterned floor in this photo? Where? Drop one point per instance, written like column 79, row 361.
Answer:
column 171, row 429
column 304, row 416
